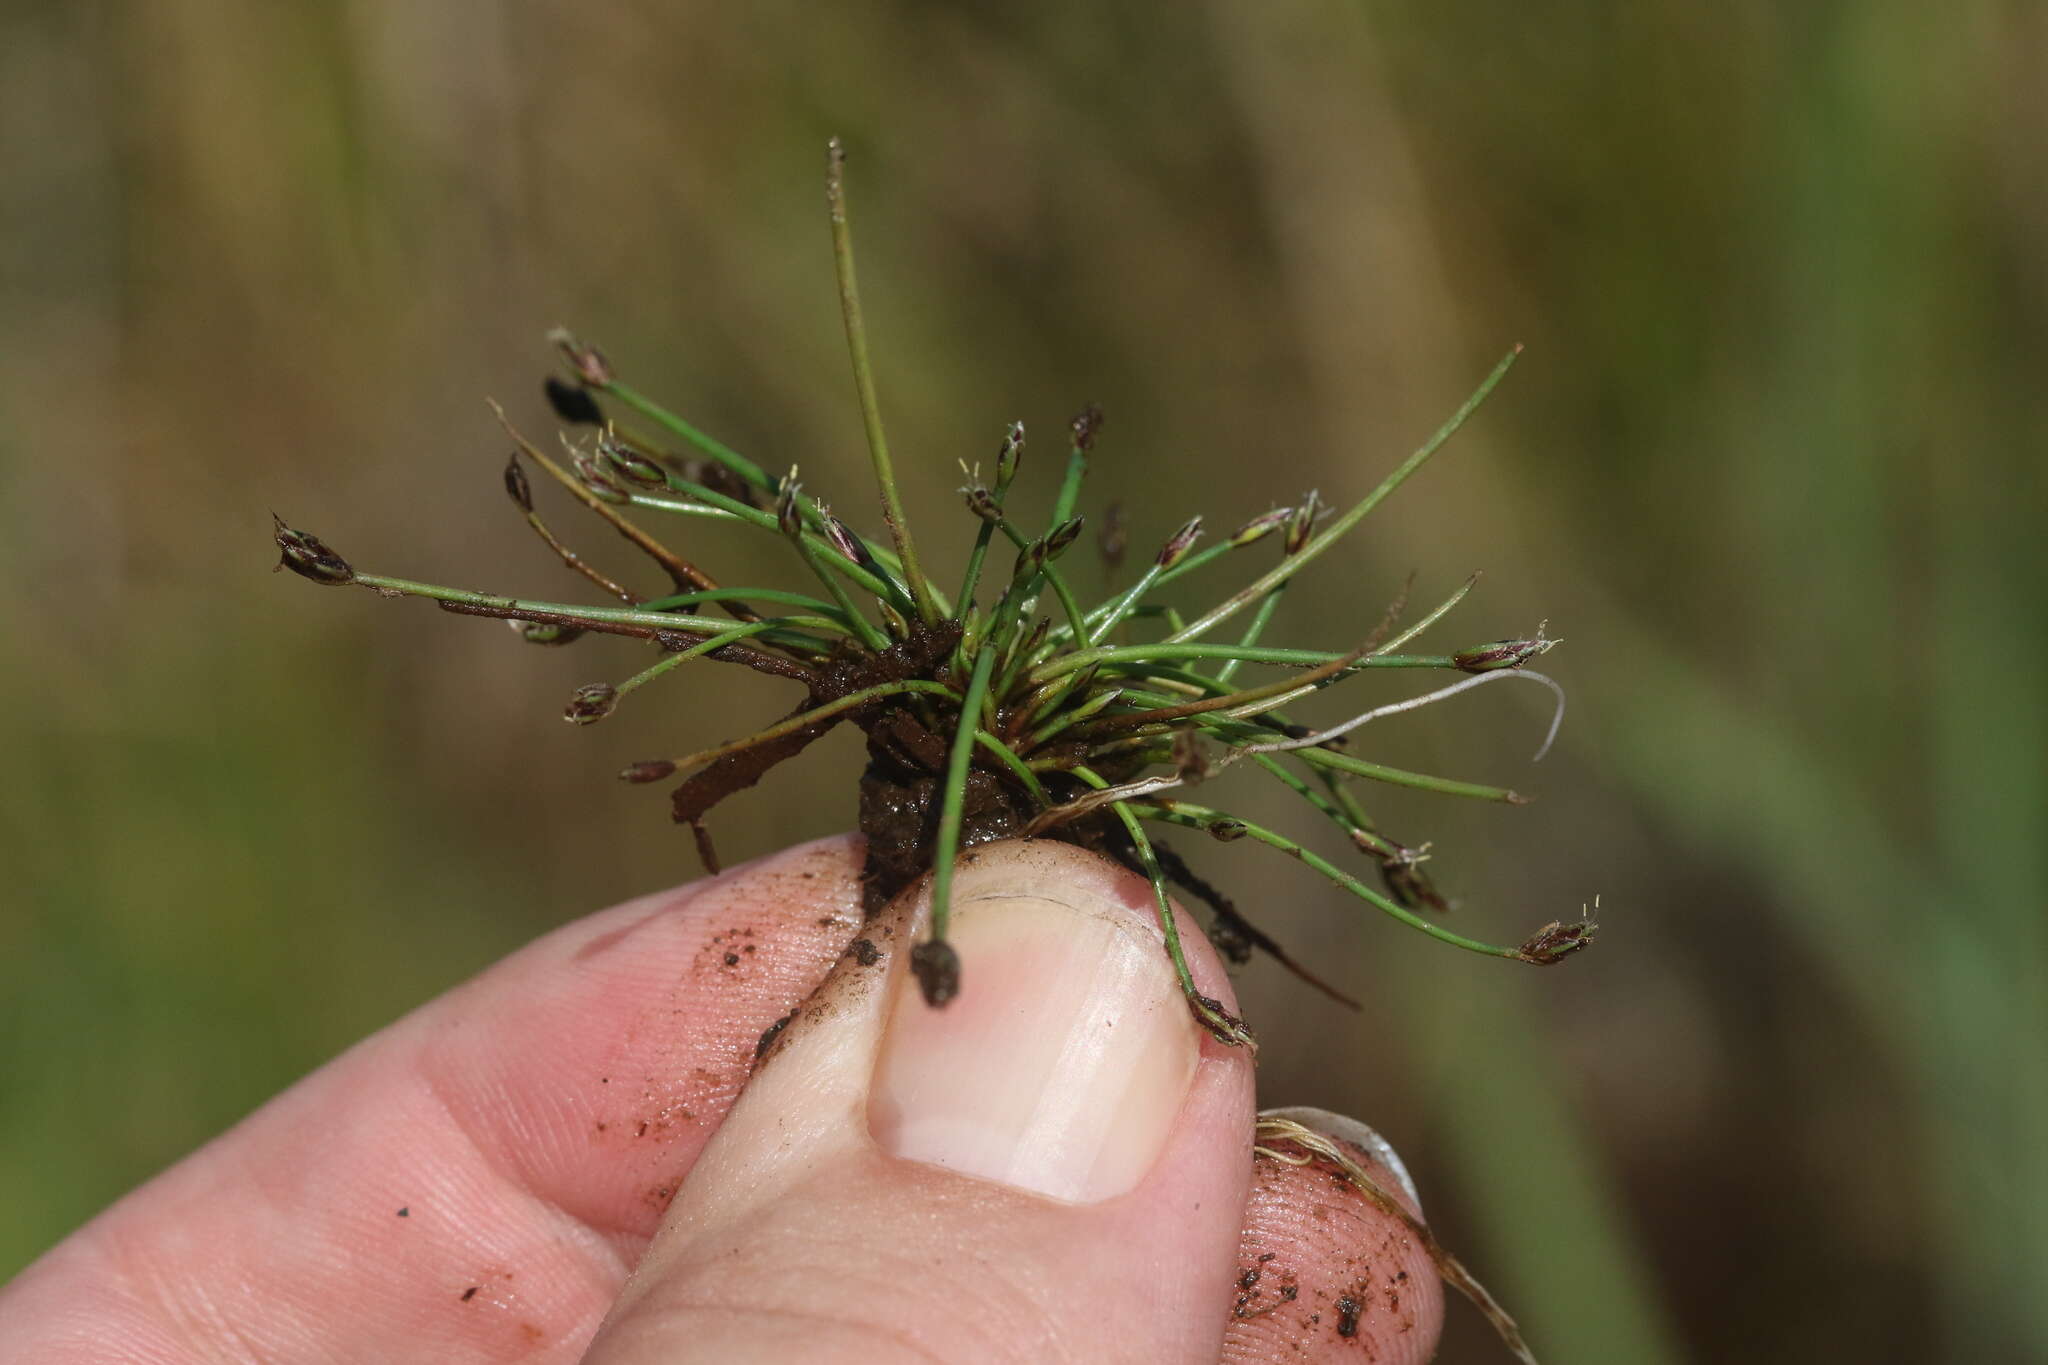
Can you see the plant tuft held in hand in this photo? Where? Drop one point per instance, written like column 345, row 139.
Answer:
column 996, row 703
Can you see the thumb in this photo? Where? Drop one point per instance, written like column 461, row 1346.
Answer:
column 1054, row 1166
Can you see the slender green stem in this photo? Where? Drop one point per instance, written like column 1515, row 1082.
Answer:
column 1077, row 620
column 1197, row 560
column 1009, row 759
column 679, row 600
column 577, row 562
column 882, row 585
column 1015, row 648
column 753, row 474
column 1235, row 732
column 1068, row 604
column 654, row 622
column 696, row 651
column 1323, row 736
column 1000, row 493
column 1262, row 723
column 767, row 521
column 1251, row 701
column 805, row 719
column 1168, row 921
column 1329, row 536
column 1322, row 802
column 1202, row 817
column 1004, row 618
column 1209, row 1013
column 1070, row 487
column 1336, row 804
column 1292, row 658
column 1401, row 777
column 869, row 634
column 1436, row 614
column 1049, row 696
column 681, row 570
column 1194, row 561
column 1144, row 611
column 864, row 384
column 952, row 801
column 1006, row 622
column 1260, row 620
column 1062, row 720
column 972, row 578
column 1264, row 700
column 750, row 473
column 1346, row 802
column 691, row 509
column 1096, row 633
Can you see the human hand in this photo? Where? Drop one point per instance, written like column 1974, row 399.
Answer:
column 1057, row 1166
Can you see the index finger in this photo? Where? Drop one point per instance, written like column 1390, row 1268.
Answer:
column 473, row 1182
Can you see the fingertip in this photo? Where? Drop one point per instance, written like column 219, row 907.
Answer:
column 1053, row 1165
column 1067, row 1063
column 595, row 1064
column 1361, row 1138
column 470, row 1182
column 1323, row 1272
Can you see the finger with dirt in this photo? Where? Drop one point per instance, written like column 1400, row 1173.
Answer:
column 1052, row 1167
column 469, row 1185
column 474, row 1182
column 1324, row 1274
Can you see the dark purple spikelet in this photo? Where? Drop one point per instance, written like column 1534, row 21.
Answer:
column 305, row 555
column 572, row 403
column 591, row 703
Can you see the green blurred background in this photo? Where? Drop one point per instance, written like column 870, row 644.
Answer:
column 1773, row 466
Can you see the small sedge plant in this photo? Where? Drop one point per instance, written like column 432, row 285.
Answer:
column 1032, row 715
column 1000, row 705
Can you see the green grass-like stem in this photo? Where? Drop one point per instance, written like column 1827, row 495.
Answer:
column 750, row 473
column 1330, row 534
column 1233, row 732
column 1095, row 628
column 678, row 568
column 1202, row 817
column 971, row 579
column 1206, row 1011
column 1292, row 658
column 1436, row 613
column 677, row 601
column 814, row 559
column 1251, row 701
column 1063, row 720
column 953, row 796
column 805, row 719
column 754, row 476
column 1337, row 805
column 696, row 651
column 1401, row 777
column 1194, row 561
column 1009, row 758
column 1261, row 618
column 1070, row 486
column 1395, row 708
column 653, row 622
column 864, row 384
column 1077, row 620
column 717, row 504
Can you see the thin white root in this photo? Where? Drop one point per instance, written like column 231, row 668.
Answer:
column 1395, row 708
column 1096, row 800
column 1152, row 786
column 1271, row 1128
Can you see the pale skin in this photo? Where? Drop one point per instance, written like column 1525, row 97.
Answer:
column 476, row 1182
